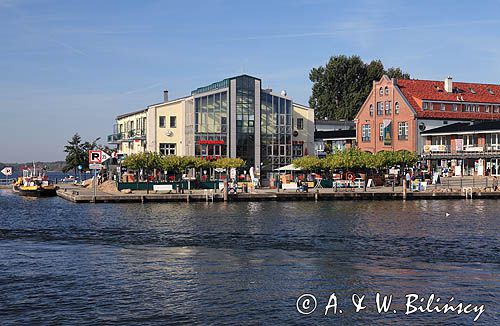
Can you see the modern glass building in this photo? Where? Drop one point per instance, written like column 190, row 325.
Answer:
column 234, row 117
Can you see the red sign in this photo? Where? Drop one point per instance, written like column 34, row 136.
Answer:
column 211, row 142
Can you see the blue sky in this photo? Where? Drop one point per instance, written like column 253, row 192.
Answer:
column 72, row 66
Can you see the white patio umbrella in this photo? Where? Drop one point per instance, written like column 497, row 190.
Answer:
column 289, row 167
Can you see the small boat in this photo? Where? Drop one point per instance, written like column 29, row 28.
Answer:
column 69, row 178
column 33, row 184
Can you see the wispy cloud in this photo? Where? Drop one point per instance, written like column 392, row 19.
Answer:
column 356, row 29
column 43, row 35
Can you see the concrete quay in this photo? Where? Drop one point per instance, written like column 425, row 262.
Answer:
column 83, row 195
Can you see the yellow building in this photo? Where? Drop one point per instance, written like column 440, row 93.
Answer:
column 234, row 117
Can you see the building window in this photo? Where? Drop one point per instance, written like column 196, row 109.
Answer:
column 388, row 108
column 473, row 108
column 443, row 107
column 162, row 121
column 297, row 150
column 371, row 110
column 167, row 148
column 487, row 108
column 396, row 108
column 381, row 132
column 380, row 108
column 386, row 90
column 300, row 123
column 427, row 106
column 403, row 130
column 455, row 108
column 173, row 122
column 467, row 108
column 381, row 91
column 366, row 133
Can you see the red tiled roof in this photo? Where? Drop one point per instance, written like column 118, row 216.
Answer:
column 430, row 90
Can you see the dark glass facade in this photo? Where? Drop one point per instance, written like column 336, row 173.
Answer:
column 276, row 131
column 211, row 125
column 218, row 104
column 245, row 119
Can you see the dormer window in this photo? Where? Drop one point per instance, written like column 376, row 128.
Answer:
column 381, row 91
column 427, row 106
column 491, row 91
column 386, row 90
column 472, row 91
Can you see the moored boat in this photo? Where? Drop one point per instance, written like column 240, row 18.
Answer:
column 33, row 184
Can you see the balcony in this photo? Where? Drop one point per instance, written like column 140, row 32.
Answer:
column 128, row 135
column 114, row 138
column 136, row 134
column 467, row 151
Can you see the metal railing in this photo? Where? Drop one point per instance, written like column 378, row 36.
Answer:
column 6, row 182
column 472, row 150
column 131, row 134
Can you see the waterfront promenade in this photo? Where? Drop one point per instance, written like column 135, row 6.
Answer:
column 450, row 188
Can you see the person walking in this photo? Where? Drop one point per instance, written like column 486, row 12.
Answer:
column 408, row 179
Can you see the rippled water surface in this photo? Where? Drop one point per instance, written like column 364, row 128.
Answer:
column 243, row 263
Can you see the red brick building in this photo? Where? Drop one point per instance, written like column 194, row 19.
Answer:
column 396, row 112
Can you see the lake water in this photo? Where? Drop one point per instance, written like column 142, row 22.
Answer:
column 244, row 263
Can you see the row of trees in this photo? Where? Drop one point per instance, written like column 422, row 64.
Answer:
column 343, row 84
column 149, row 161
column 354, row 158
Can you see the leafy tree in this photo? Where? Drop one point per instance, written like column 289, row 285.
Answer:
column 229, row 163
column 308, row 163
column 397, row 73
column 343, row 84
column 76, row 154
column 147, row 161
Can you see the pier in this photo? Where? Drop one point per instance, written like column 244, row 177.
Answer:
column 83, row 195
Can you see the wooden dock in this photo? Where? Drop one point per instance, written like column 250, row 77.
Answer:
column 78, row 195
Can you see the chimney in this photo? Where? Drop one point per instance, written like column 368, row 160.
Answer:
column 448, row 84
column 165, row 96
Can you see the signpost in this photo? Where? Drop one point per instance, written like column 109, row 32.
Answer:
column 7, row 171
column 96, row 157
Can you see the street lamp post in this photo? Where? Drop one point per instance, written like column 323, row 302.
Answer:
column 404, row 176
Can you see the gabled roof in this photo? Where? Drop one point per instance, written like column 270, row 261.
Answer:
column 465, row 127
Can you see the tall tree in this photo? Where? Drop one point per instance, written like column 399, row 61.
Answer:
column 397, row 73
column 76, row 154
column 342, row 85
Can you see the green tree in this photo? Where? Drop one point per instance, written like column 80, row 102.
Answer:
column 229, row 163
column 343, row 84
column 397, row 73
column 75, row 154
column 147, row 161
column 308, row 163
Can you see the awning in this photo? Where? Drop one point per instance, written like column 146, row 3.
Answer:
column 289, row 167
